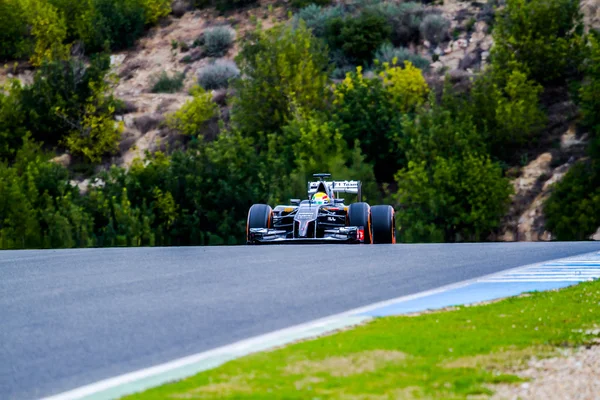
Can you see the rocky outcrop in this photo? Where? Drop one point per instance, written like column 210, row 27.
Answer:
column 532, row 186
column 591, row 13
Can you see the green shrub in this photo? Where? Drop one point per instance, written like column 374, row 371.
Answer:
column 404, row 19
column 316, row 17
column 298, row 4
column 461, row 198
column 38, row 206
column 311, row 143
column 113, row 23
column 218, row 40
column 358, row 37
column 544, row 36
column 156, row 9
column 436, row 132
column 12, row 120
column 450, row 189
column 68, row 99
column 590, row 90
column 510, row 116
column 49, row 30
column 342, row 71
column 387, row 53
column 284, row 70
column 165, row 83
column 364, row 111
column 95, row 133
column 73, row 12
column 191, row 118
column 14, row 39
column 224, row 5
column 434, row 28
column 406, row 87
column 218, row 75
column 571, row 211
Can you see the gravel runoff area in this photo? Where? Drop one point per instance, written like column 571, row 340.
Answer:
column 574, row 375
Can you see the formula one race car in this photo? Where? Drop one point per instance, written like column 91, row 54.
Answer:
column 322, row 218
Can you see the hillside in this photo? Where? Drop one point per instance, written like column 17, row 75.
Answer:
column 533, row 144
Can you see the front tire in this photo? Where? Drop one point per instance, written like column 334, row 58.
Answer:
column 359, row 214
column 384, row 224
column 259, row 216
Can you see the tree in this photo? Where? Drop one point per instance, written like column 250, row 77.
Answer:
column 193, row 115
column 284, row 69
column 358, row 37
column 14, row 39
column 571, row 211
column 509, row 113
column 450, row 190
column 12, row 120
column 364, row 112
column 69, row 103
column 461, row 198
column 543, row 37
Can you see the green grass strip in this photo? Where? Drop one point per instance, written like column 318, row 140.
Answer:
column 446, row 355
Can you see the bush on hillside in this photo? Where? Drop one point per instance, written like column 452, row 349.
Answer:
column 590, row 90
column 224, row 5
column 191, row 118
column 12, row 120
column 113, row 23
column 48, row 29
column 95, row 134
column 68, row 97
column 406, row 87
column 72, row 11
column 544, row 37
column 298, row 4
column 164, row 83
column 14, row 39
column 156, row 9
column 405, row 20
column 39, row 208
column 311, row 143
column 571, row 211
column 218, row 75
column 218, row 40
column 510, row 116
column 434, row 28
column 436, row 132
column 358, row 37
column 316, row 18
column 387, row 53
column 363, row 111
column 455, row 199
column 285, row 70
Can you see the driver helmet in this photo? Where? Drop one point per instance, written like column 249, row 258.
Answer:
column 320, row 198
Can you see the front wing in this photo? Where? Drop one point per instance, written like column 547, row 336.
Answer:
column 348, row 234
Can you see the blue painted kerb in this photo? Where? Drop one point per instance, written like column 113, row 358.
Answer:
column 472, row 293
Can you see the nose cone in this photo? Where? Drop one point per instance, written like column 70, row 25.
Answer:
column 303, row 229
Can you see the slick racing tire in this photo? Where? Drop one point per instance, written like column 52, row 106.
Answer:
column 259, row 216
column 359, row 214
column 384, row 224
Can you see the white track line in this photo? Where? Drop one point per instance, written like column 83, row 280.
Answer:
column 159, row 374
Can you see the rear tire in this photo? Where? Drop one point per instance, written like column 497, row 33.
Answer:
column 259, row 216
column 384, row 224
column 359, row 214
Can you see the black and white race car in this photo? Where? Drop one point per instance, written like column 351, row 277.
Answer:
column 322, row 218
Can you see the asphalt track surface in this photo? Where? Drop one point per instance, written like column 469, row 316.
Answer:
column 73, row 317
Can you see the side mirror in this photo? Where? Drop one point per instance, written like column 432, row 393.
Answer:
column 295, row 202
column 338, row 201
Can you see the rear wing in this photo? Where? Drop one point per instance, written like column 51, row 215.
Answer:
column 352, row 187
